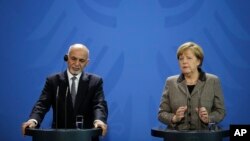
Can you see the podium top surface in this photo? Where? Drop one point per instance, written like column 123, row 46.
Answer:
column 35, row 131
column 163, row 132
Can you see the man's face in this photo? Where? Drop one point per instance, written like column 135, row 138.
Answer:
column 77, row 60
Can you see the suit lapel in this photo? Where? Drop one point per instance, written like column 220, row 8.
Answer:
column 82, row 91
column 197, row 89
column 64, row 83
column 183, row 88
column 66, row 108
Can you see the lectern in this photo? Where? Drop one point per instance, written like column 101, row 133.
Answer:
column 63, row 134
column 190, row 135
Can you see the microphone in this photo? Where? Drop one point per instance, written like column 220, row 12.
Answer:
column 199, row 106
column 57, row 92
column 66, row 97
column 187, row 118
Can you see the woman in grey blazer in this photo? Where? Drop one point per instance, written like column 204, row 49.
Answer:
column 194, row 98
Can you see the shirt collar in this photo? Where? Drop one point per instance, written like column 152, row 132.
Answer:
column 70, row 75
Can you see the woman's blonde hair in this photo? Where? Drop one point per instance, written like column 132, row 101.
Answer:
column 195, row 48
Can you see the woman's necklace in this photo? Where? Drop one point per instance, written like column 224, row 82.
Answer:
column 192, row 79
column 191, row 82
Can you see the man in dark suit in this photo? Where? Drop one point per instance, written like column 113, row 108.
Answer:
column 71, row 93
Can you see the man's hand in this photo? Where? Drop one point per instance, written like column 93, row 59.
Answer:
column 30, row 123
column 99, row 123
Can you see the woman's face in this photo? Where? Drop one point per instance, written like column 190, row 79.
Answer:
column 188, row 62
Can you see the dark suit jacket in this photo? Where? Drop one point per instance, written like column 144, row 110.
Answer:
column 90, row 101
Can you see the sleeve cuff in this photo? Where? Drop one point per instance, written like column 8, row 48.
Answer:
column 33, row 120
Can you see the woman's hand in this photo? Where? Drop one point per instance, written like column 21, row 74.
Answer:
column 203, row 114
column 179, row 114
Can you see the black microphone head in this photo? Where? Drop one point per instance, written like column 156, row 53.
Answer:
column 65, row 57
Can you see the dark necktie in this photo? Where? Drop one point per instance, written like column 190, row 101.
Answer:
column 73, row 90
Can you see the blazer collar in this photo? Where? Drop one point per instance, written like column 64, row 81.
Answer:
column 200, row 83
column 202, row 76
